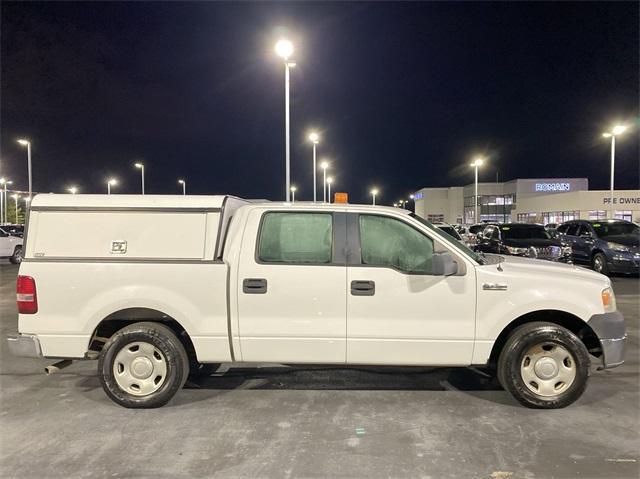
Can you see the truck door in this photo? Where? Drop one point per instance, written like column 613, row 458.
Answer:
column 397, row 311
column 292, row 287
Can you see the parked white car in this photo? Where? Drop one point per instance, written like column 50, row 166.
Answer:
column 256, row 282
column 10, row 246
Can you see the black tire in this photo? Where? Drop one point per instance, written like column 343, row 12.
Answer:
column 16, row 258
column 514, row 356
column 202, row 370
column 599, row 264
column 175, row 361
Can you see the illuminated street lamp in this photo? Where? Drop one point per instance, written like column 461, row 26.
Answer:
column 284, row 49
column 374, row 192
column 324, row 165
column 293, row 194
column 73, row 190
column 27, row 143
column 184, row 186
column 140, row 166
column 111, row 182
column 476, row 164
column 314, row 138
column 615, row 131
column 329, row 182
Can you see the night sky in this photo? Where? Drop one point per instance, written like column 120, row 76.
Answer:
column 404, row 94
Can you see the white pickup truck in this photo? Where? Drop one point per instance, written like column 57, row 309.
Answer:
column 158, row 287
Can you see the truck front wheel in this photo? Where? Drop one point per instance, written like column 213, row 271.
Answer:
column 544, row 365
column 143, row 365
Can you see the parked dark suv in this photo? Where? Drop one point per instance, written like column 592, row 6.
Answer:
column 523, row 239
column 609, row 246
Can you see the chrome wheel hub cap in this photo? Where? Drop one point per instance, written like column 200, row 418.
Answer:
column 140, row 368
column 548, row 369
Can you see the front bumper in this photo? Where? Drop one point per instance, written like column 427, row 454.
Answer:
column 625, row 263
column 611, row 331
column 24, row 345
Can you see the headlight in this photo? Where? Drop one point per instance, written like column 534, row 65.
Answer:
column 608, row 299
column 618, row 247
column 566, row 250
column 515, row 250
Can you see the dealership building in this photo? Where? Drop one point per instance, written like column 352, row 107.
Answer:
column 547, row 200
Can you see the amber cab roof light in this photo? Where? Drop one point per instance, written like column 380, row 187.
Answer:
column 341, row 198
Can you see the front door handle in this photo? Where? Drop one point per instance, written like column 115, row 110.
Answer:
column 363, row 288
column 254, row 286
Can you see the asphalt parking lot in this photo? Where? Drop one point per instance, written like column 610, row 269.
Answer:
column 316, row 422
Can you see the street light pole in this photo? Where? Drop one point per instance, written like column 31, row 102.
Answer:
column 293, row 194
column 27, row 143
column 314, row 138
column 184, row 186
column 616, row 130
column 4, row 212
column 329, row 181
column 476, row 163
column 374, row 192
column 2, row 205
column 324, row 167
column 110, row 181
column 140, row 166
column 284, row 49
column 16, row 198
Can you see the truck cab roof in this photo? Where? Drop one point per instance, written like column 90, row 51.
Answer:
column 118, row 201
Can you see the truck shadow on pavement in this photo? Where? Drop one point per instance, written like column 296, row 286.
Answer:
column 318, row 378
column 469, row 381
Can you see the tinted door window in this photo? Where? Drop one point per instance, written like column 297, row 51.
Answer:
column 572, row 229
column 393, row 243
column 584, row 231
column 296, row 238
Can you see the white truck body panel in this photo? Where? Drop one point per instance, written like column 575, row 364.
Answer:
column 180, row 263
column 303, row 317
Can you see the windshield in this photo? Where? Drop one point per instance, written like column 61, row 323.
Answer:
column 476, row 257
column 615, row 229
column 517, row 232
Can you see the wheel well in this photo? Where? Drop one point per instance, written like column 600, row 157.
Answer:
column 596, row 251
column 561, row 318
column 119, row 319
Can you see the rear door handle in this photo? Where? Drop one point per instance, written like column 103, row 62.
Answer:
column 254, row 286
column 363, row 288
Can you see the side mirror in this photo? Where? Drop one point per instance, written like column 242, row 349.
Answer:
column 443, row 264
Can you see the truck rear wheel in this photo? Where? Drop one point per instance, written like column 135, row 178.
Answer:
column 143, row 365
column 544, row 365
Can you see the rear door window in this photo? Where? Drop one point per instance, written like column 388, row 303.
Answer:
column 296, row 238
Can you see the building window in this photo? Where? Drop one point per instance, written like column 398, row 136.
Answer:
column 559, row 216
column 597, row 215
column 527, row 217
column 438, row 218
column 623, row 215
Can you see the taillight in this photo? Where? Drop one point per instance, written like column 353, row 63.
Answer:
column 26, row 295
